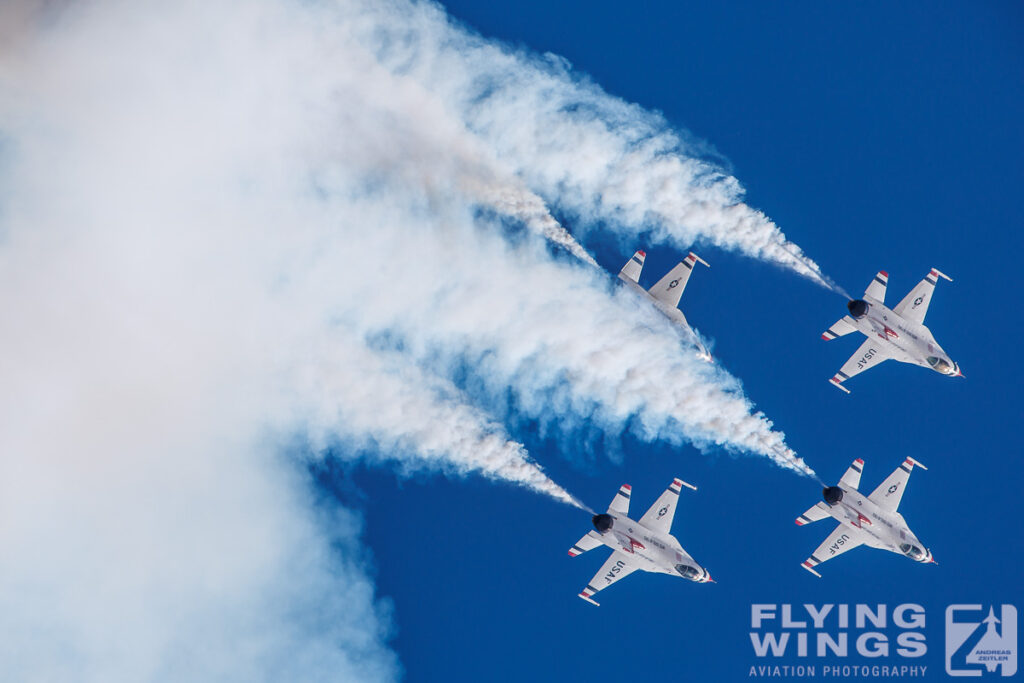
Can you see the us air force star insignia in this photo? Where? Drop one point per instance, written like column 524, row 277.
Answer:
column 662, row 511
column 892, row 489
column 917, row 301
column 673, row 284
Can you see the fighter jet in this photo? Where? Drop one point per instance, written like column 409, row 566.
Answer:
column 870, row 520
column 645, row 544
column 897, row 333
column 667, row 291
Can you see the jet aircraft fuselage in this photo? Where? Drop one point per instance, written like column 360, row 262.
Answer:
column 884, row 529
column 654, row 551
column 913, row 341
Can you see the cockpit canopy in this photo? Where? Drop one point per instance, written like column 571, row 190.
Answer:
column 687, row 572
column 912, row 551
column 940, row 365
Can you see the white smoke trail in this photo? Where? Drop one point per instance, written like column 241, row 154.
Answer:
column 206, row 208
column 387, row 404
column 592, row 154
column 157, row 214
column 552, row 334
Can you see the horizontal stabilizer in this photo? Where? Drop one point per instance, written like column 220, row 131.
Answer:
column 815, row 514
column 851, row 479
column 588, row 542
column 620, row 503
column 631, row 271
column 841, row 327
column 876, row 290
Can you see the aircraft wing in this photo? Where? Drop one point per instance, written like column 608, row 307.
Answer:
column 870, row 354
column 670, row 288
column 620, row 503
column 890, row 492
column 659, row 516
column 631, row 271
column 915, row 305
column 838, row 542
column 616, row 567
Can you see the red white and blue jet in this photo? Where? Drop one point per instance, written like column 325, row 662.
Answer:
column 666, row 292
column 643, row 544
column 898, row 333
column 870, row 520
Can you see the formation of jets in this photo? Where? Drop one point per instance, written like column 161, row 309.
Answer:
column 898, row 333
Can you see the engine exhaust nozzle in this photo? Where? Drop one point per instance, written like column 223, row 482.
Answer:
column 602, row 522
column 832, row 495
column 858, row 308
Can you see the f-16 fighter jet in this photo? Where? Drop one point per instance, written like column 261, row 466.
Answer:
column 897, row 333
column 667, row 291
column 646, row 544
column 870, row 520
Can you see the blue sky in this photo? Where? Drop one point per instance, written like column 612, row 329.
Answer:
column 882, row 138
column 285, row 312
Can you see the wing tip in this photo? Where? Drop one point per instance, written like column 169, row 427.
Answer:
column 837, row 383
column 884, row 273
column 642, row 253
column 809, row 567
column 589, row 599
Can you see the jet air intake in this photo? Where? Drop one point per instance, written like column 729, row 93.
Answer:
column 602, row 522
column 858, row 308
column 832, row 495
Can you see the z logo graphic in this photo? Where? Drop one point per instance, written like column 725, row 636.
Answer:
column 918, row 301
column 981, row 641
